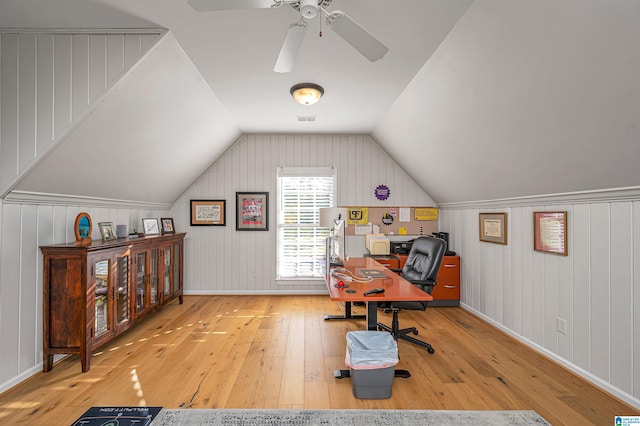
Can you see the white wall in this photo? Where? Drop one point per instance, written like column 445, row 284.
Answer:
column 223, row 260
column 596, row 288
column 48, row 81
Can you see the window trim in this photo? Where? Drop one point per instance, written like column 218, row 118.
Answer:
column 285, row 172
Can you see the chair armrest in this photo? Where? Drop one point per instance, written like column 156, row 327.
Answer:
column 426, row 286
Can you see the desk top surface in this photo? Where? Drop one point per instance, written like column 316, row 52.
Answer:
column 396, row 287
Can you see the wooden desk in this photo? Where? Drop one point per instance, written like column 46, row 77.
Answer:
column 396, row 289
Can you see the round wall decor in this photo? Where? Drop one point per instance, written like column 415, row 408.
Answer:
column 382, row 192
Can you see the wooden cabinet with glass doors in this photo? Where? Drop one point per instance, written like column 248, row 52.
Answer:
column 147, row 280
column 109, row 276
column 172, row 270
column 95, row 292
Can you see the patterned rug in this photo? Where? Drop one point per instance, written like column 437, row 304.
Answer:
column 195, row 417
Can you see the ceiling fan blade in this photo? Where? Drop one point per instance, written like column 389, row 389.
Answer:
column 208, row 5
column 290, row 47
column 369, row 46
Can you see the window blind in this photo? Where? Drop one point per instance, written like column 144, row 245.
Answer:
column 301, row 242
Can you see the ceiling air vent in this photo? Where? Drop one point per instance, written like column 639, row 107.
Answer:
column 306, row 118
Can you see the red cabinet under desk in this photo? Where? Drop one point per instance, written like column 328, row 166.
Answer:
column 447, row 292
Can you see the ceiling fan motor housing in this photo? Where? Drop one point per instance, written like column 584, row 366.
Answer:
column 309, row 8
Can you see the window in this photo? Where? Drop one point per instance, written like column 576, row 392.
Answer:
column 301, row 242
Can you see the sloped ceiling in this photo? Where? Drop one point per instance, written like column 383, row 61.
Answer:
column 157, row 131
column 524, row 98
column 493, row 100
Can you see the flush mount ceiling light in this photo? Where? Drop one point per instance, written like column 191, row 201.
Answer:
column 306, row 93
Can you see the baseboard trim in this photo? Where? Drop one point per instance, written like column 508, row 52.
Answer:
column 22, row 377
column 607, row 387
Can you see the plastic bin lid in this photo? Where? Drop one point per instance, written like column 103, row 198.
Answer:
column 370, row 349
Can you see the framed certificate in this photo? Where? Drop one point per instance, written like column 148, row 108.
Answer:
column 550, row 232
column 493, row 228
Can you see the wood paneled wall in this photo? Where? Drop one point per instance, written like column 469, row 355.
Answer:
column 23, row 229
column 48, row 82
column 223, row 260
column 595, row 289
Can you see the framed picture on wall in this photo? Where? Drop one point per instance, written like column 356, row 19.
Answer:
column 252, row 211
column 208, row 213
column 550, row 232
column 493, row 228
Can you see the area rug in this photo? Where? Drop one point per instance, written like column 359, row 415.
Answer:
column 195, row 417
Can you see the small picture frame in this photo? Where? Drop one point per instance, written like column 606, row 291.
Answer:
column 151, row 226
column 82, row 228
column 208, row 213
column 107, row 232
column 167, row 225
column 493, row 228
column 252, row 211
column 550, row 232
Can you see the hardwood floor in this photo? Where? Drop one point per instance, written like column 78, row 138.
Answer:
column 278, row 352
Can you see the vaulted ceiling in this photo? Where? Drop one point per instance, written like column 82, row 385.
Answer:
column 476, row 100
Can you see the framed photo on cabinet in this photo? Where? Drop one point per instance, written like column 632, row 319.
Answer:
column 493, row 228
column 150, row 226
column 107, row 232
column 550, row 232
column 252, row 211
column 167, row 225
column 208, row 213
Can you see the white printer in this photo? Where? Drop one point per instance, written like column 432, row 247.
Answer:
column 377, row 244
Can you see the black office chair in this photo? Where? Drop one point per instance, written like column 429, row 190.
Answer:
column 421, row 270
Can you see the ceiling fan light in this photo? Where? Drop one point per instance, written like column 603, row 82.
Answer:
column 306, row 93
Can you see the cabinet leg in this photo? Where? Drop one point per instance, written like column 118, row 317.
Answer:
column 85, row 360
column 48, row 363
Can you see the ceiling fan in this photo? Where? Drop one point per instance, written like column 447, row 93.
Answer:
column 370, row 47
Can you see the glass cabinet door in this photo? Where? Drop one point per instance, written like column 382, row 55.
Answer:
column 141, row 265
column 101, row 278
column 153, row 276
column 167, row 271
column 122, row 290
column 176, row 267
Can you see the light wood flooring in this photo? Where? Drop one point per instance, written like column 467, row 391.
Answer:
column 278, row 352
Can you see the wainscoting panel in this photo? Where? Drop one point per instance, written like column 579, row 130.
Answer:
column 595, row 289
column 49, row 80
column 24, row 227
column 220, row 259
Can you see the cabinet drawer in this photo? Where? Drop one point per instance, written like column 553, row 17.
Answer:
column 448, row 279
column 389, row 263
column 449, row 269
column 444, row 291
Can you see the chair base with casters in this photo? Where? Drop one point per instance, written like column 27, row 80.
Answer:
column 403, row 333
